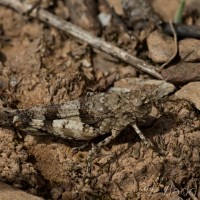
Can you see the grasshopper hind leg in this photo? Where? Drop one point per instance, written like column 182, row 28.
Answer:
column 142, row 137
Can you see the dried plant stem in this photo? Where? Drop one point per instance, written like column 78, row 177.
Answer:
column 83, row 35
column 175, row 47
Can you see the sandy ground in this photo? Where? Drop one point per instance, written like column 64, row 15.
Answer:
column 41, row 65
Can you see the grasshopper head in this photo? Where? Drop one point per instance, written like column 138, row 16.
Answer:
column 140, row 103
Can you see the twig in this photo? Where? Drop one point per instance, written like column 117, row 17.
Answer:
column 171, row 74
column 79, row 33
column 175, row 47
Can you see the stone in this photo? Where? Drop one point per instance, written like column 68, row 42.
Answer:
column 160, row 46
column 132, row 84
column 9, row 193
column 188, row 45
column 184, row 73
column 190, row 92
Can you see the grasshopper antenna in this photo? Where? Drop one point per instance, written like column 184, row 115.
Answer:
column 171, row 74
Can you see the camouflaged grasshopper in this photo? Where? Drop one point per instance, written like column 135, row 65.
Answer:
column 83, row 119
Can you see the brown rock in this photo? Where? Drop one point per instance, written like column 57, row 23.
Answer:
column 146, row 85
column 184, row 73
column 9, row 193
column 191, row 92
column 160, row 46
column 186, row 46
column 166, row 9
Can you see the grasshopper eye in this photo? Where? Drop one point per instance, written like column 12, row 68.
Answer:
column 137, row 102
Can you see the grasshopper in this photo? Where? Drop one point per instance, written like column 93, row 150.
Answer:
column 84, row 119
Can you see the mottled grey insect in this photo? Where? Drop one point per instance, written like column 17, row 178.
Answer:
column 83, row 119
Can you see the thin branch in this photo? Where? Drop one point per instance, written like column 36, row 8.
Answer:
column 175, row 47
column 171, row 74
column 83, row 35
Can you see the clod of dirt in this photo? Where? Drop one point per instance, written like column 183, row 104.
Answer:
column 188, row 45
column 58, row 164
column 191, row 92
column 160, row 46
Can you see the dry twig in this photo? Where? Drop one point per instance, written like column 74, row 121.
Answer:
column 83, row 35
column 175, row 47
